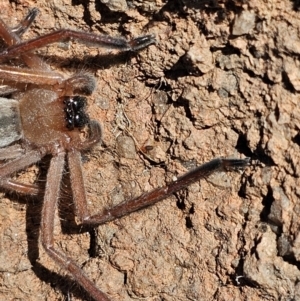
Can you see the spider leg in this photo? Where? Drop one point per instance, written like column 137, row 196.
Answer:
column 11, row 152
column 77, row 186
column 7, row 169
column 83, row 37
column 27, row 76
column 22, row 27
column 15, row 165
column 22, row 188
column 146, row 199
column 156, row 195
column 80, row 83
column 94, row 138
column 15, row 77
column 11, row 37
column 54, row 177
column 74, row 163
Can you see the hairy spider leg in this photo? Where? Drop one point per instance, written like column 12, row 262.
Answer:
column 7, row 169
column 42, row 74
column 146, row 199
column 83, row 37
column 79, row 83
column 51, row 197
column 27, row 76
column 23, row 26
column 11, row 38
column 11, row 152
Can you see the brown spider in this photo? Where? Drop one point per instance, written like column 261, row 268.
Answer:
column 46, row 116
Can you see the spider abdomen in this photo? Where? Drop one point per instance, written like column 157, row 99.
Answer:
column 10, row 125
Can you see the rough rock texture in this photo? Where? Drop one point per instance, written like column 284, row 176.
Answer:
column 222, row 80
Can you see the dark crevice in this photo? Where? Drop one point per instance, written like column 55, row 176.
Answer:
column 213, row 7
column 180, row 69
column 284, row 247
column 243, row 189
column 180, row 204
column 265, row 79
column 227, row 50
column 250, row 73
column 86, row 14
column 253, row 251
column 93, row 249
column 291, row 260
column 296, row 5
column 107, row 16
column 277, row 112
column 188, row 222
column 172, row 6
column 296, row 139
column 203, row 28
column 242, row 146
column 184, row 104
column 258, row 154
column 192, row 209
column 267, row 203
column 238, row 279
column 287, row 83
column 125, row 278
column 263, row 157
column 257, row 54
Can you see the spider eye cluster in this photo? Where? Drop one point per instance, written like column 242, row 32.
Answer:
column 76, row 116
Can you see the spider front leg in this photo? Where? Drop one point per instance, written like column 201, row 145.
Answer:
column 146, row 199
column 80, row 83
column 82, row 37
column 156, row 195
column 52, row 192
